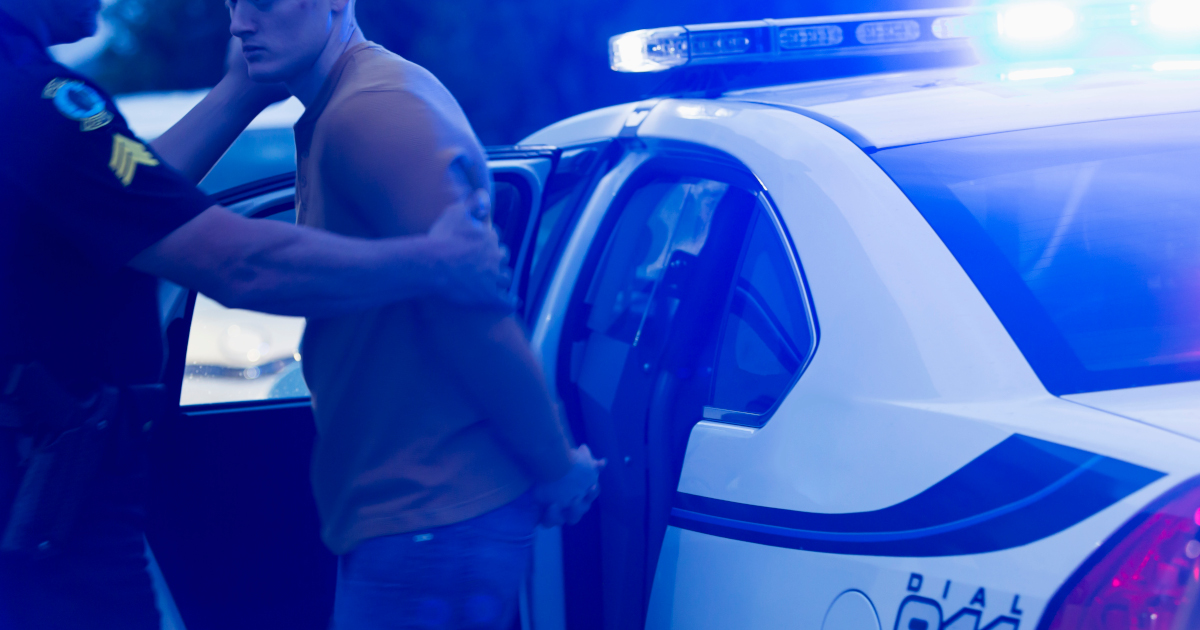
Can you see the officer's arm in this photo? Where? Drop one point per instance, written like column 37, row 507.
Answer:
column 285, row 269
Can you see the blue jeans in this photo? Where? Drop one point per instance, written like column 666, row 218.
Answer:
column 462, row 576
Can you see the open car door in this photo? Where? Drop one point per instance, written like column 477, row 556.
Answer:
column 233, row 523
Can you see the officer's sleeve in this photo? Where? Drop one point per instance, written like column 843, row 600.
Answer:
column 97, row 188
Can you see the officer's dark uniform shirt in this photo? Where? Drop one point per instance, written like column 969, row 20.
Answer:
column 80, row 196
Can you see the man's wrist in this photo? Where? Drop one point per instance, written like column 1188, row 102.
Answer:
column 242, row 96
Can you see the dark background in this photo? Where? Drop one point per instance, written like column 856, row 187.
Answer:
column 515, row 65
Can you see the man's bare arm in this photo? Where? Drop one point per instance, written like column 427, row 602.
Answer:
column 195, row 143
column 492, row 360
column 283, row 269
column 395, row 173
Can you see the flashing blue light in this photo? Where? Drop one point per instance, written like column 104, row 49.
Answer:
column 1035, row 22
column 869, row 34
column 650, row 50
column 1039, row 29
column 720, row 43
column 1176, row 64
column 953, row 27
column 1176, row 16
column 1038, row 73
column 889, row 32
column 798, row 37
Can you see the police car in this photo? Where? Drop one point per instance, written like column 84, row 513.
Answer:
column 903, row 350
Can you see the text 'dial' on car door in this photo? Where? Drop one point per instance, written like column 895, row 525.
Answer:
column 689, row 306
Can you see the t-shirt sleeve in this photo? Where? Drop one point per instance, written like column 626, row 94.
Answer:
column 96, row 187
column 387, row 155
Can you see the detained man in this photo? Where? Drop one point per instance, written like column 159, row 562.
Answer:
column 439, row 448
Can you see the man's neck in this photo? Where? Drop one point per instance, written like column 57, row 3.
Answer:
column 24, row 14
column 307, row 85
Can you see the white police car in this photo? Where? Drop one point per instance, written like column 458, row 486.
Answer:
column 914, row 350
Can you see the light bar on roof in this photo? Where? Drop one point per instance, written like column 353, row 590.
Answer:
column 1011, row 27
column 770, row 40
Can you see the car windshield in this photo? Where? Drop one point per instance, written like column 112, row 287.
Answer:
column 1084, row 239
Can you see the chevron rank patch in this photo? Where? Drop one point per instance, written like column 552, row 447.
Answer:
column 127, row 155
column 78, row 101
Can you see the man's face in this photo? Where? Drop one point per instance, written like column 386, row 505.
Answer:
column 68, row 20
column 280, row 38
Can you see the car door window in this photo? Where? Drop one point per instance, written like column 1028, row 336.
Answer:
column 663, row 228
column 767, row 336
column 235, row 355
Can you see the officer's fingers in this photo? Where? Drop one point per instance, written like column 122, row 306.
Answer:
column 553, row 515
column 463, row 218
column 576, row 511
column 504, row 279
column 480, row 205
column 454, row 220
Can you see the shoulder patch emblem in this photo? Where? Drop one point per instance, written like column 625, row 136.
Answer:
column 126, row 156
column 78, row 101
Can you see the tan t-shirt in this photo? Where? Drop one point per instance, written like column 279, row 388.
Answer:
column 427, row 413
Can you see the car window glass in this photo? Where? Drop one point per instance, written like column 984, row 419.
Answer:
column 510, row 215
column 235, row 355
column 1084, row 239
column 661, row 219
column 767, row 337
column 664, row 225
column 256, row 154
column 564, row 192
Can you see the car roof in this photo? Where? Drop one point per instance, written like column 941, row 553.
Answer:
column 887, row 110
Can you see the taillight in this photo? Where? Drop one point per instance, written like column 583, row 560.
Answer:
column 1147, row 577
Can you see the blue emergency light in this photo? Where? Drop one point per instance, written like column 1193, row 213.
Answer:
column 999, row 27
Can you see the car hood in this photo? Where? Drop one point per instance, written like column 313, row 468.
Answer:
column 1174, row 407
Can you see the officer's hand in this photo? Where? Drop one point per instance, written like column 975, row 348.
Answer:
column 569, row 498
column 238, row 73
column 471, row 264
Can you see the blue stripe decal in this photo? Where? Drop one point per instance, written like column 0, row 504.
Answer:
column 1020, row 491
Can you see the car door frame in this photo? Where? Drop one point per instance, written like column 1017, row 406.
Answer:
column 528, row 168
column 546, row 599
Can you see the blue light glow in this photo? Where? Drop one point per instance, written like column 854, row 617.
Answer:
column 1178, row 64
column 650, row 50
column 798, row 37
column 889, row 32
column 1035, row 22
column 1177, row 16
column 1039, row 73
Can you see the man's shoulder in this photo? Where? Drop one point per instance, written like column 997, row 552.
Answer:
column 376, row 69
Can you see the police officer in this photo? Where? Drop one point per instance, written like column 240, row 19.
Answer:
column 89, row 214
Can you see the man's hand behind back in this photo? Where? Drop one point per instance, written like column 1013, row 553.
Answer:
column 472, row 263
column 568, row 499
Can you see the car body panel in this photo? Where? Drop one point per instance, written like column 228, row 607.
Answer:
column 599, row 124
column 924, row 106
column 914, row 378
column 1174, row 407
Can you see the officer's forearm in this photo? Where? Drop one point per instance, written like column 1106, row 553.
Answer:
column 288, row 270
column 195, row 143
column 317, row 274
